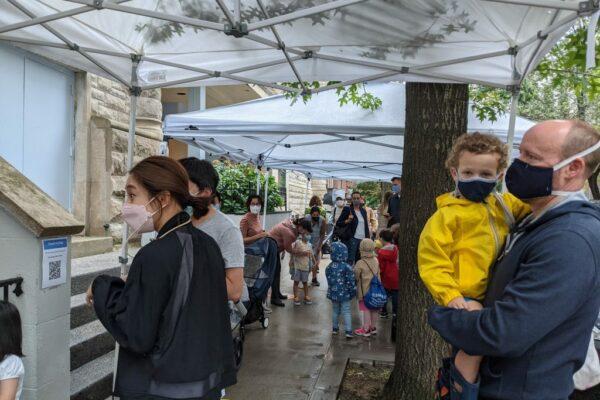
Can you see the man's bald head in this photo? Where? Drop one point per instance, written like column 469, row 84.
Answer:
column 550, row 142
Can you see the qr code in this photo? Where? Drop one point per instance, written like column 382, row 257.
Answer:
column 55, row 270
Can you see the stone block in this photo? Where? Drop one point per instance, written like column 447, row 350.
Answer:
column 118, row 185
column 119, row 165
column 53, row 349
column 116, row 205
column 120, row 140
column 149, row 107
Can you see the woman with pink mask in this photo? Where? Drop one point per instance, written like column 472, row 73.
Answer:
column 170, row 316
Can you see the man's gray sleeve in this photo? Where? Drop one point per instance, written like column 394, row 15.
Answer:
column 232, row 248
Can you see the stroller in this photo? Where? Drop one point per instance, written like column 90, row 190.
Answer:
column 259, row 270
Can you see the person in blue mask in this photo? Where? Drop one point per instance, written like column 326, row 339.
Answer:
column 543, row 294
column 460, row 241
column 393, row 207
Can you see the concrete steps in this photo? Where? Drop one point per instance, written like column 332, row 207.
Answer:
column 84, row 246
column 92, row 347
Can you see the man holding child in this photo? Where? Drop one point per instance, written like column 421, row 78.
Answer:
column 542, row 294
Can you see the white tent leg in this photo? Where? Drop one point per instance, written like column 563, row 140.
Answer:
column 266, row 199
column 133, row 97
column 308, row 177
column 510, row 139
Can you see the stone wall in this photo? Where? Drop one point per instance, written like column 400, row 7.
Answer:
column 109, row 125
column 297, row 195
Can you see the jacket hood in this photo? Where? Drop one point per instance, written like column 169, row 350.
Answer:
column 579, row 207
column 339, row 252
column 388, row 254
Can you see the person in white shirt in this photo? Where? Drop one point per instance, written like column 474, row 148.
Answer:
column 12, row 370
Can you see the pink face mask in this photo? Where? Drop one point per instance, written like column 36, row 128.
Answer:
column 138, row 218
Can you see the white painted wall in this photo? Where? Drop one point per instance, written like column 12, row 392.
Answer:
column 37, row 114
column 44, row 313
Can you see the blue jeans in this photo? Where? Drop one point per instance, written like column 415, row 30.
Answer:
column 343, row 308
column 353, row 250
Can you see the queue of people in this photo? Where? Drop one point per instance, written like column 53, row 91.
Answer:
column 516, row 276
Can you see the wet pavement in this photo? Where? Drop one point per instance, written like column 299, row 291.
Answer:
column 297, row 357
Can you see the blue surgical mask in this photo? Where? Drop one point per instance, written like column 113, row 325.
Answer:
column 217, row 206
column 476, row 189
column 395, row 188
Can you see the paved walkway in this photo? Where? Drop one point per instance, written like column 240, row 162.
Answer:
column 297, row 357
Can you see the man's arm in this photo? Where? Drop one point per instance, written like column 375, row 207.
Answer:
column 548, row 288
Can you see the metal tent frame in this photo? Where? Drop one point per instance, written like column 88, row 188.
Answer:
column 237, row 28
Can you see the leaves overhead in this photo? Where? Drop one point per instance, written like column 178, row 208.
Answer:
column 355, row 94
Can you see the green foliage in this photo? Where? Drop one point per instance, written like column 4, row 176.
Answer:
column 560, row 87
column 372, row 193
column 355, row 94
column 237, row 182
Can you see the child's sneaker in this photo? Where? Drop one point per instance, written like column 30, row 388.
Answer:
column 308, row 301
column 335, row 331
column 297, row 301
column 384, row 315
column 362, row 332
column 349, row 335
column 373, row 330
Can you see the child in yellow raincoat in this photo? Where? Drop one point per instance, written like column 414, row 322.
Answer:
column 462, row 239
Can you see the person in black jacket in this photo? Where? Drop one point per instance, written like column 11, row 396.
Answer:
column 544, row 291
column 170, row 314
column 355, row 223
column 393, row 206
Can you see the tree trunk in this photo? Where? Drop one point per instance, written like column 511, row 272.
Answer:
column 436, row 114
column 593, row 182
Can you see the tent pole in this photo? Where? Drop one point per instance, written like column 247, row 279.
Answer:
column 264, row 222
column 511, row 127
column 257, row 180
column 308, row 177
column 133, row 97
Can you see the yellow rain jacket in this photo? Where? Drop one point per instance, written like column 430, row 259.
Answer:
column 461, row 241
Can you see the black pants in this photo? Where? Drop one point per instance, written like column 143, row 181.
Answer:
column 214, row 394
column 276, row 285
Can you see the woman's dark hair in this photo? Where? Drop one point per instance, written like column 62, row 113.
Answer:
column 315, row 201
column 159, row 174
column 387, row 235
column 315, row 209
column 304, row 224
column 252, row 197
column 202, row 173
column 11, row 334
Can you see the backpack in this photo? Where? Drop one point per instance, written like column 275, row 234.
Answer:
column 376, row 297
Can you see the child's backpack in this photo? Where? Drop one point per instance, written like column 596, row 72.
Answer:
column 376, row 297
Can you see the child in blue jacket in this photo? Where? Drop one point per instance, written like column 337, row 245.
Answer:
column 341, row 287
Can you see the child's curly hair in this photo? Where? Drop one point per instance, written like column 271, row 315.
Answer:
column 478, row 143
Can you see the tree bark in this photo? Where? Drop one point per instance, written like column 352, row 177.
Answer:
column 436, row 114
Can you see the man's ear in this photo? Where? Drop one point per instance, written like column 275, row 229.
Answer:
column 575, row 168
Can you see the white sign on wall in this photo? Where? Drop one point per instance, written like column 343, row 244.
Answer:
column 54, row 262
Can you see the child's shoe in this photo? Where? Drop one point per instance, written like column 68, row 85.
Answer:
column 362, row 332
column 315, row 282
column 384, row 315
column 307, row 301
column 373, row 330
column 349, row 335
column 297, row 301
column 335, row 331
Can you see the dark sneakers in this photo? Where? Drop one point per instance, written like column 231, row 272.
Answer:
column 315, row 283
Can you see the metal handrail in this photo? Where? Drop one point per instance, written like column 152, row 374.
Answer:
column 18, row 290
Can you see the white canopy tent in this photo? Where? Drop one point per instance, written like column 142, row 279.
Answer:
column 318, row 137
column 148, row 44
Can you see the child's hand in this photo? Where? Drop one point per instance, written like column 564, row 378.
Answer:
column 459, row 303
column 474, row 305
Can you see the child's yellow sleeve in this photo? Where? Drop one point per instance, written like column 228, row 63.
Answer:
column 434, row 256
column 519, row 209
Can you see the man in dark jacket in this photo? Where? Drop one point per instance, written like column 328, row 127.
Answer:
column 354, row 217
column 544, row 293
column 393, row 211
